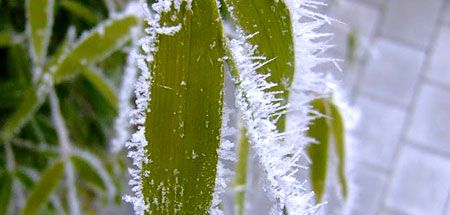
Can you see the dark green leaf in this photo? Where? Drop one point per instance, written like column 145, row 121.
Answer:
column 87, row 173
column 101, row 85
column 80, row 10
column 6, row 185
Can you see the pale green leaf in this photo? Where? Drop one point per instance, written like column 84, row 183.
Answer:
column 101, row 84
column 184, row 123
column 318, row 152
column 338, row 132
column 43, row 189
column 95, row 46
column 270, row 19
column 6, row 185
column 40, row 22
column 6, row 39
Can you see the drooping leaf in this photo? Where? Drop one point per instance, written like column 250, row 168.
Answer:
column 80, row 10
column 42, row 190
column 100, row 83
column 338, row 132
column 241, row 172
column 270, row 21
column 95, row 46
column 318, row 152
column 40, row 21
column 184, row 123
column 6, row 185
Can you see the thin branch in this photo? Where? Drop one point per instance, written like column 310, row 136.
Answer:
column 65, row 151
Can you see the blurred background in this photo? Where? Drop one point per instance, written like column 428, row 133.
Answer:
column 397, row 73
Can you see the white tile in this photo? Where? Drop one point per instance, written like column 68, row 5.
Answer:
column 356, row 19
column 431, row 118
column 378, row 131
column 420, row 183
column 411, row 20
column 440, row 64
column 366, row 188
column 392, row 71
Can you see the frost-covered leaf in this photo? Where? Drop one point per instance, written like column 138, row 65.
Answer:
column 338, row 132
column 183, row 121
column 39, row 24
column 94, row 46
column 79, row 9
column 270, row 21
column 318, row 151
column 100, row 83
column 6, row 186
column 42, row 190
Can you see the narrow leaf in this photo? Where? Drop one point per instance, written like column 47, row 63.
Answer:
column 6, row 39
column 95, row 46
column 40, row 22
column 41, row 192
column 101, row 85
column 318, row 152
column 338, row 132
column 80, row 10
column 270, row 21
column 183, row 126
column 241, row 173
column 87, row 173
column 6, row 184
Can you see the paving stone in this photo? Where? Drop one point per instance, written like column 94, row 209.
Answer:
column 440, row 64
column 392, row 71
column 431, row 119
column 376, row 145
column 420, row 184
column 411, row 20
column 355, row 19
column 365, row 193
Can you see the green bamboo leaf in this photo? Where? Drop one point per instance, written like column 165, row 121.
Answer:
column 241, row 172
column 87, row 173
column 30, row 103
column 338, row 131
column 270, row 19
column 100, row 83
column 184, row 123
column 318, row 153
column 40, row 22
column 41, row 192
column 6, row 184
column 80, row 10
column 95, row 46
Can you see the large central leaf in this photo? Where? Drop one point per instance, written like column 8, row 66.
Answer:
column 184, row 119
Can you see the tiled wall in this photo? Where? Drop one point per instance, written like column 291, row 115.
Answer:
column 400, row 81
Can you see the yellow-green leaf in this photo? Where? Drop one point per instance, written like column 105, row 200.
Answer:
column 42, row 190
column 338, row 132
column 183, row 125
column 95, row 46
column 270, row 19
column 40, row 22
column 318, row 152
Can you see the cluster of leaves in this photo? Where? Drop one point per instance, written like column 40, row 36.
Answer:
column 61, row 63
column 179, row 148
